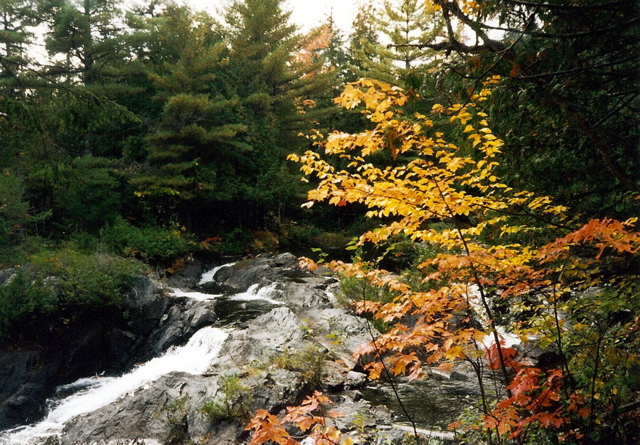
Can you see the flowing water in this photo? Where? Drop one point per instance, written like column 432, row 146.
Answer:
column 88, row 394
column 430, row 404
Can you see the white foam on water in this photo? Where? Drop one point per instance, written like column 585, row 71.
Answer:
column 194, row 358
column 194, row 295
column 95, row 392
column 207, row 277
column 507, row 339
column 258, row 293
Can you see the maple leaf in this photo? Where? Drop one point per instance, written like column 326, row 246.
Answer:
column 503, row 421
column 457, row 186
column 401, row 362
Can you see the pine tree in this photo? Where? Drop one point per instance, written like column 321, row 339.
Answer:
column 270, row 76
column 193, row 153
column 17, row 19
column 88, row 34
column 396, row 56
column 279, row 87
column 407, row 23
column 363, row 44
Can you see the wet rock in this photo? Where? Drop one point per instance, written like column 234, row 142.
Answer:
column 145, row 306
column 188, row 273
column 25, row 382
column 183, row 318
column 262, row 353
column 158, row 408
column 261, row 270
column 92, row 345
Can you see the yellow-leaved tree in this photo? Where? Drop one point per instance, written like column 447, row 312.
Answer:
column 568, row 285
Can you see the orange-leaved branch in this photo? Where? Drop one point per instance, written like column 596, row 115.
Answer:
column 494, row 258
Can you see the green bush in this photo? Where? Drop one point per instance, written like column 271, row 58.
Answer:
column 149, row 243
column 62, row 285
column 238, row 241
column 308, row 363
column 174, row 417
column 24, row 300
column 233, row 401
column 87, row 280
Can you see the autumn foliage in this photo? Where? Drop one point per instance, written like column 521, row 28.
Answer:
column 309, row 418
column 568, row 284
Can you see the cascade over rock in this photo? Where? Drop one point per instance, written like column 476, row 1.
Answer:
column 285, row 335
column 301, row 318
column 262, row 270
column 154, row 322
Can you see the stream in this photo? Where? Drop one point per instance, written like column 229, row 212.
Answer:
column 431, row 404
column 93, row 392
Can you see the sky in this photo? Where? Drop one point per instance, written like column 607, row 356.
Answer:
column 305, row 13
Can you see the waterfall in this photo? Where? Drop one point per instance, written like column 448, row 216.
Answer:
column 194, row 295
column 255, row 292
column 94, row 393
column 91, row 393
column 207, row 277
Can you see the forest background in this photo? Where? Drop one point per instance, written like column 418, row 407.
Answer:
column 155, row 132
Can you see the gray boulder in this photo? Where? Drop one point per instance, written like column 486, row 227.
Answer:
column 261, row 270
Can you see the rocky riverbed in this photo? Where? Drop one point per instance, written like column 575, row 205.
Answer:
column 281, row 333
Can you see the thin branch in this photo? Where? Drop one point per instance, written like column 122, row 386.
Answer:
column 603, row 6
column 575, row 35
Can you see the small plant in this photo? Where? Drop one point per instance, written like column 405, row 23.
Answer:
column 335, row 338
column 175, row 413
column 308, row 330
column 308, row 363
column 360, row 421
column 233, row 401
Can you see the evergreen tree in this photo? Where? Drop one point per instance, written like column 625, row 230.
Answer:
column 88, row 34
column 364, row 44
column 17, row 19
column 279, row 89
column 407, row 23
column 335, row 53
column 194, row 151
column 397, row 56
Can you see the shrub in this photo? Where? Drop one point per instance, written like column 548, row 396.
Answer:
column 175, row 413
column 149, row 243
column 23, row 300
column 234, row 400
column 62, row 285
column 308, row 363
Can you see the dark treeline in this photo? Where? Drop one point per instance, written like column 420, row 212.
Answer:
column 151, row 129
